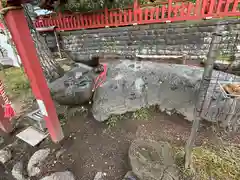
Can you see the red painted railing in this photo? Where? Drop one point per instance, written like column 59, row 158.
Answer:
column 173, row 10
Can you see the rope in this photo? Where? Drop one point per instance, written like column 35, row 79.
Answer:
column 99, row 80
column 6, row 9
column 8, row 110
column 3, row 94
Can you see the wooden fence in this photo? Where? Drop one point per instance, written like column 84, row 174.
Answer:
column 170, row 11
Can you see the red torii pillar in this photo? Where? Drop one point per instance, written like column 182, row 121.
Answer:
column 18, row 27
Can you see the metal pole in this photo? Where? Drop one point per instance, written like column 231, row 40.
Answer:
column 18, row 27
column 206, row 78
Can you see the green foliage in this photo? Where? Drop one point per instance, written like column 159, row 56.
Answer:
column 92, row 5
column 113, row 119
column 142, row 114
column 15, row 81
column 61, row 117
column 211, row 163
column 220, row 164
column 4, row 3
column 77, row 111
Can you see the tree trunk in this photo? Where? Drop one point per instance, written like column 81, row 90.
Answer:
column 50, row 67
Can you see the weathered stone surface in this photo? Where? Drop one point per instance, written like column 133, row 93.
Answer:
column 17, row 171
column 152, row 160
column 60, row 176
column 73, row 88
column 36, row 161
column 131, row 85
column 5, row 155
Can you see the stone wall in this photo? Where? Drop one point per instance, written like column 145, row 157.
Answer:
column 191, row 38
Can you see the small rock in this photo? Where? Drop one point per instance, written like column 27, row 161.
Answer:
column 60, row 153
column 5, row 155
column 130, row 176
column 17, row 171
column 162, row 109
column 169, row 113
column 99, row 176
column 67, row 175
column 36, row 160
column 66, row 67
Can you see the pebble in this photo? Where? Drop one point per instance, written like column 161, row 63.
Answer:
column 5, row 155
column 67, row 175
column 130, row 176
column 99, row 176
column 17, row 171
column 60, row 153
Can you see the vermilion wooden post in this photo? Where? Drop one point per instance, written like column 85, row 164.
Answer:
column 235, row 5
column 211, row 6
column 163, row 12
column 106, row 14
column 219, row 6
column 226, row 9
column 135, row 10
column 204, row 4
column 18, row 27
column 157, row 13
column 169, row 9
column 146, row 14
column 197, row 8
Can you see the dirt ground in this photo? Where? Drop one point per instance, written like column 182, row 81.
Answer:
column 90, row 146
